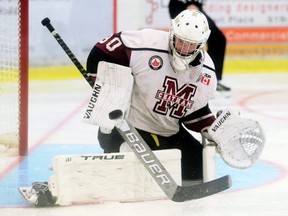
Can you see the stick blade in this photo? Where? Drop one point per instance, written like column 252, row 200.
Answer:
column 186, row 193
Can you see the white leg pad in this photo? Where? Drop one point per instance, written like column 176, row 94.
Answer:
column 98, row 178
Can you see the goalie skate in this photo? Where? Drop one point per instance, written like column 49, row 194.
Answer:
column 38, row 194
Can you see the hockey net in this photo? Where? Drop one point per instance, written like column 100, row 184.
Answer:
column 13, row 76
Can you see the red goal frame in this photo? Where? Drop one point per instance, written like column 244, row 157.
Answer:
column 23, row 75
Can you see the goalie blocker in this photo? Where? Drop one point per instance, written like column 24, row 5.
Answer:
column 111, row 91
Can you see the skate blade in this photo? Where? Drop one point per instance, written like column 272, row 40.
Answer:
column 26, row 193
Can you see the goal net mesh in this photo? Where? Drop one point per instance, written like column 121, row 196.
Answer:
column 10, row 74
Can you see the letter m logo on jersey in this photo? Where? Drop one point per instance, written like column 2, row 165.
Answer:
column 173, row 100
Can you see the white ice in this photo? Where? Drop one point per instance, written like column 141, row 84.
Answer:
column 56, row 109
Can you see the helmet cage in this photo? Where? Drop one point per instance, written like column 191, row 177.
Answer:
column 191, row 28
column 186, row 49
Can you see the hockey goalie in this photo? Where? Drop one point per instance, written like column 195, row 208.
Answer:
column 119, row 176
column 160, row 83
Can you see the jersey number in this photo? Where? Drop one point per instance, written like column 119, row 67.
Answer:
column 112, row 44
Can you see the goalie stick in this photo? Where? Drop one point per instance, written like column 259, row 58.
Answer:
column 144, row 153
column 159, row 173
column 46, row 22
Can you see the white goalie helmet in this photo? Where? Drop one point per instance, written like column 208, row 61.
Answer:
column 189, row 33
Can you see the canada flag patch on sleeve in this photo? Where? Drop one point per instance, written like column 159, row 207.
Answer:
column 206, row 79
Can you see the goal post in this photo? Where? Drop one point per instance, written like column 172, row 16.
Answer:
column 14, row 76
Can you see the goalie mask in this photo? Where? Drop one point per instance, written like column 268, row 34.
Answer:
column 189, row 33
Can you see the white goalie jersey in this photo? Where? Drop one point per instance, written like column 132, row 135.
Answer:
column 160, row 96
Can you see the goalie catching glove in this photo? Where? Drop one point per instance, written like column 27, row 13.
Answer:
column 239, row 141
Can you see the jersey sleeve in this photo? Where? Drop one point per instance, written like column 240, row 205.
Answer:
column 111, row 50
column 199, row 119
column 113, row 47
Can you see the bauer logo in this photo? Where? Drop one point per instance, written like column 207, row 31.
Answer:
column 221, row 120
column 103, row 157
column 147, row 157
column 92, row 101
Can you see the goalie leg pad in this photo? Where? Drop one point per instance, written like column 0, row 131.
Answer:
column 99, row 178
